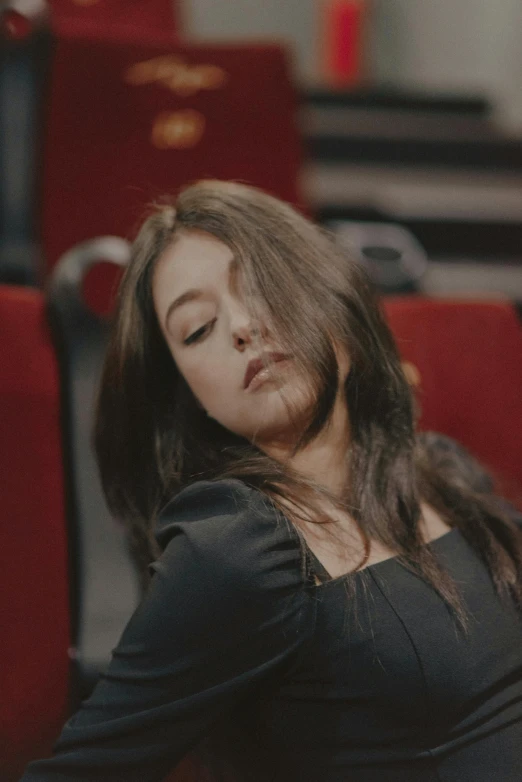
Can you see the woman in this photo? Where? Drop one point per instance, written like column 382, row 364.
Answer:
column 334, row 598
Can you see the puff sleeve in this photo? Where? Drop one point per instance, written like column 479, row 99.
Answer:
column 226, row 611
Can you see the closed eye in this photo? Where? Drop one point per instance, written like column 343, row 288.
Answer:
column 197, row 335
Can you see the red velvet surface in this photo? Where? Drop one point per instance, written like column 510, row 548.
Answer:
column 115, row 19
column 228, row 112
column 469, row 356
column 100, row 286
column 34, row 598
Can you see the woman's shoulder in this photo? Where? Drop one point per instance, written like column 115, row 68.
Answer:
column 203, row 500
column 227, row 527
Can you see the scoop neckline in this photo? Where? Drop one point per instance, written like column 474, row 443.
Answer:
column 376, row 565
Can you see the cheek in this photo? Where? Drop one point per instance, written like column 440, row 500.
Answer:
column 344, row 367
column 343, row 360
column 206, row 377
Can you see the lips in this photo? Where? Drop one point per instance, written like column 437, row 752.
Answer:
column 257, row 364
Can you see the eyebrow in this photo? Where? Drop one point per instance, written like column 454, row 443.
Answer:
column 190, row 295
column 196, row 293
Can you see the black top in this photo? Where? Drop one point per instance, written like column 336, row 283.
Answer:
column 237, row 651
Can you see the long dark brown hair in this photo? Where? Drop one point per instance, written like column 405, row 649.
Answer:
column 152, row 438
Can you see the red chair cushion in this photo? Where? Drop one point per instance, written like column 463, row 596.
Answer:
column 115, row 19
column 128, row 123
column 34, row 600
column 469, row 358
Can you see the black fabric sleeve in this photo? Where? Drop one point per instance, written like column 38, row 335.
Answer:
column 226, row 611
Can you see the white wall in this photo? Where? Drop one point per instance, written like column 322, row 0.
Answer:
column 291, row 21
column 456, row 45
column 436, row 43
column 509, row 54
column 444, row 45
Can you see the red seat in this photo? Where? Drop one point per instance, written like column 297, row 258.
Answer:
column 79, row 298
column 115, row 19
column 38, row 681
column 127, row 123
column 34, row 599
column 468, row 355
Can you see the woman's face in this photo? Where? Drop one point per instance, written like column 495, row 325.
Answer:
column 198, row 301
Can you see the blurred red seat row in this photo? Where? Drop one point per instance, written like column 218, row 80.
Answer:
column 124, row 20
column 119, row 19
column 127, row 124
column 128, row 114
column 127, row 119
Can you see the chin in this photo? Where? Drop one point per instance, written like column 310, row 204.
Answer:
column 269, row 419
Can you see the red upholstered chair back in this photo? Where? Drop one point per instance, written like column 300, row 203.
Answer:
column 36, row 628
column 34, row 594
column 468, row 355
column 115, row 19
column 128, row 123
column 80, row 296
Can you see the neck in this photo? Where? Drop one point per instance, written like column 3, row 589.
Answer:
column 324, row 460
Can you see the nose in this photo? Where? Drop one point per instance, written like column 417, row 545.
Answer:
column 246, row 333
column 247, row 326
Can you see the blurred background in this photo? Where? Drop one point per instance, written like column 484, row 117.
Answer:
column 404, row 112
column 396, row 124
